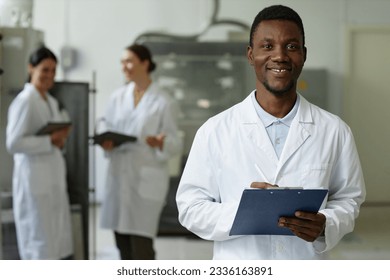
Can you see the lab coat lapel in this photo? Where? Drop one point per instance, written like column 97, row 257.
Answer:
column 259, row 142
column 137, row 115
column 45, row 107
column 126, row 104
column 258, row 135
column 146, row 100
column 132, row 111
column 299, row 132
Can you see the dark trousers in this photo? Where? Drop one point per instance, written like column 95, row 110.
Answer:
column 134, row 247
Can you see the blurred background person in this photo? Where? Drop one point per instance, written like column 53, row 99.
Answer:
column 40, row 199
column 138, row 177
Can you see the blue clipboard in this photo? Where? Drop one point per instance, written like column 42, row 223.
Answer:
column 260, row 209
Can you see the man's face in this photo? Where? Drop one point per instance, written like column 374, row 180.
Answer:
column 277, row 55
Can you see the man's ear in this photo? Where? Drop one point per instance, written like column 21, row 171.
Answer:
column 304, row 53
column 249, row 55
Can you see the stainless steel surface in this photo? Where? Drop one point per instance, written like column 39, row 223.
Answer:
column 16, row 46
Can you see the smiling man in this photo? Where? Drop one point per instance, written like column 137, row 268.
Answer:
column 272, row 138
column 277, row 52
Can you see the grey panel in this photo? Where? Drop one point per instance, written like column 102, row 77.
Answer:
column 313, row 85
column 74, row 97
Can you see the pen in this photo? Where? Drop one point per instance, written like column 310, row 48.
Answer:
column 261, row 172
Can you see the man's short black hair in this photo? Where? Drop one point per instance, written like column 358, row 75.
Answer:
column 278, row 12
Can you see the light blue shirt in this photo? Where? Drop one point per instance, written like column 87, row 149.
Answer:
column 276, row 128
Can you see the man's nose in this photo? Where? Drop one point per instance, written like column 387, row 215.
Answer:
column 280, row 54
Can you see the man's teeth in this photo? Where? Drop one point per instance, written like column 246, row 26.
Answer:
column 279, row 70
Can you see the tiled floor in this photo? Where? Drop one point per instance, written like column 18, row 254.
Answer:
column 370, row 241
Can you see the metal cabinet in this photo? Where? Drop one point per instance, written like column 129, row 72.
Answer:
column 15, row 46
column 74, row 97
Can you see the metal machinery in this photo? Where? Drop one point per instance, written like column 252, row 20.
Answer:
column 16, row 44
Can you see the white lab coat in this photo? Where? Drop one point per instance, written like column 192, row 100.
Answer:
column 137, row 176
column 319, row 153
column 40, row 199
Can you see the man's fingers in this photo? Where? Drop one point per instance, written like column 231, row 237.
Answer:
column 262, row 185
column 311, row 216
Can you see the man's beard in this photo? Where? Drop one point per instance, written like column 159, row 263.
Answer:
column 278, row 92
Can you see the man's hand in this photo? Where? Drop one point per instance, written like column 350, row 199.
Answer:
column 305, row 225
column 262, row 185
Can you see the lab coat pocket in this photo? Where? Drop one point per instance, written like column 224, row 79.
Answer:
column 153, row 183
column 316, row 176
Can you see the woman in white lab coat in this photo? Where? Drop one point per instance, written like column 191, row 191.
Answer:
column 40, row 200
column 137, row 177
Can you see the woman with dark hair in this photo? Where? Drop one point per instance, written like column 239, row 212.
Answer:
column 41, row 205
column 137, row 177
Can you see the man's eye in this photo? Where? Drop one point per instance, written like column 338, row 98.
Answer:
column 292, row 47
column 267, row 46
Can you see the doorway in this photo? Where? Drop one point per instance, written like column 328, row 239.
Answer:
column 366, row 106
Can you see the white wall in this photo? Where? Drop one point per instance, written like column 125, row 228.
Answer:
column 100, row 29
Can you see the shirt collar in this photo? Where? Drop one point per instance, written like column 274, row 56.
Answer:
column 268, row 119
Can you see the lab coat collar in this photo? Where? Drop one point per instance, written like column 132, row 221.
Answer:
column 149, row 95
column 299, row 132
column 268, row 119
column 37, row 97
column 30, row 87
column 255, row 130
column 304, row 114
column 249, row 114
